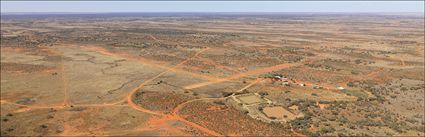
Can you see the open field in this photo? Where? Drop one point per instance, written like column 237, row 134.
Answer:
column 158, row 74
column 250, row 99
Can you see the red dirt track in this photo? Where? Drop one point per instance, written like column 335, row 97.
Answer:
column 68, row 130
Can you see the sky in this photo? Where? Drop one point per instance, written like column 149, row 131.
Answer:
column 212, row 6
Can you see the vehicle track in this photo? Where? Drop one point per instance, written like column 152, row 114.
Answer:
column 66, row 100
column 210, row 62
column 130, row 95
column 68, row 129
column 249, row 73
column 170, row 117
column 145, row 62
column 250, row 84
column 181, row 105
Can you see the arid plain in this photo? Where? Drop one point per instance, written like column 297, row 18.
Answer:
column 219, row 74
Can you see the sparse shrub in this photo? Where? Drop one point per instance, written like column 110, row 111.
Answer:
column 369, row 123
column 50, row 117
column 310, row 134
column 350, row 84
column 139, row 93
column 226, row 94
column 420, row 128
column 43, row 126
column 342, row 134
column 357, row 61
column 219, row 102
column 301, row 123
column 411, row 120
column 263, row 93
column 403, row 89
column 327, row 129
column 332, row 118
column 10, row 129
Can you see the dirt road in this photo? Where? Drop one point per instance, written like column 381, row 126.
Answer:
column 145, row 61
column 249, row 73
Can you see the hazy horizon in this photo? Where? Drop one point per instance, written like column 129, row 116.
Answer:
column 212, row 6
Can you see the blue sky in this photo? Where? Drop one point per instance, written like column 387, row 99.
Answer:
column 212, row 6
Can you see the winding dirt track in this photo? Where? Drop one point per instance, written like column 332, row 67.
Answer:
column 174, row 116
column 68, row 129
column 66, row 103
column 130, row 95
